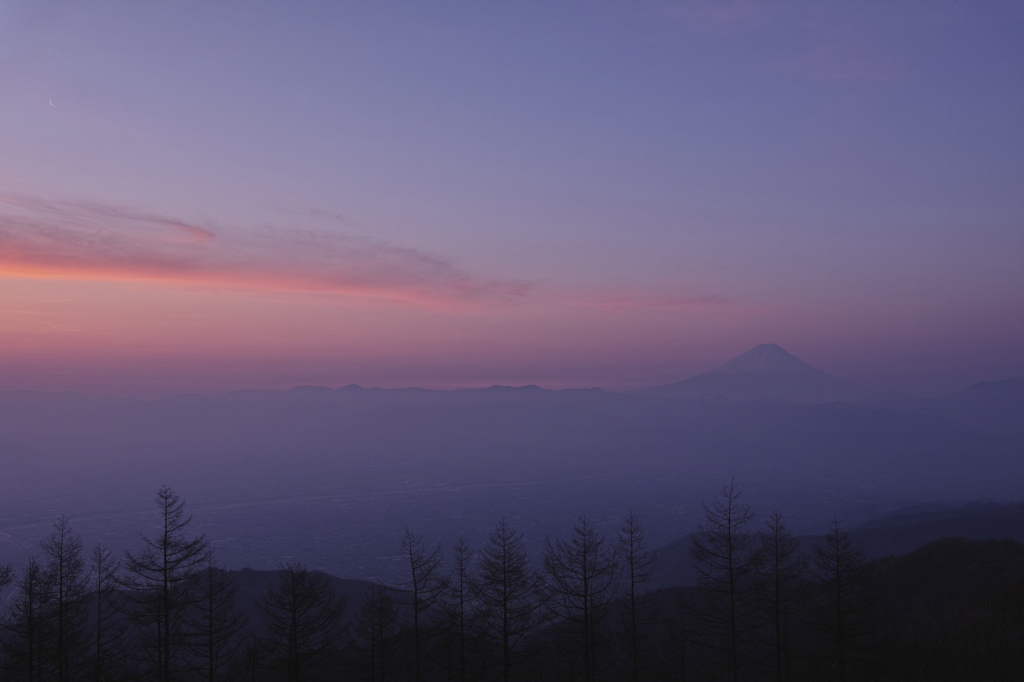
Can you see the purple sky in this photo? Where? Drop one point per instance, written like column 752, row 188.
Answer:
column 202, row 196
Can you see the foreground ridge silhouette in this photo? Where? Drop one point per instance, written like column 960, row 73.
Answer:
column 765, row 608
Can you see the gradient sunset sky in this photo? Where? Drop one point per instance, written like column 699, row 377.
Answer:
column 209, row 196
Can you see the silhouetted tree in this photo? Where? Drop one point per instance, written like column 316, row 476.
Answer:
column 458, row 603
column 673, row 655
column 781, row 574
column 213, row 622
column 723, row 554
column 252, row 657
column 580, row 577
column 108, row 639
column 160, row 584
column 376, row 627
column 637, row 564
column 29, row 625
column 841, row 622
column 508, row 590
column 66, row 580
column 425, row 588
column 302, row 621
column 6, row 578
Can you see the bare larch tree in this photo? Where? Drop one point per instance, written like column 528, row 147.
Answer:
column 213, row 623
column 841, row 621
column 376, row 627
column 425, row 588
column 459, row 601
column 580, row 577
column 29, row 626
column 724, row 557
column 782, row 573
column 160, row 584
column 66, row 581
column 110, row 633
column 637, row 563
column 302, row 621
column 509, row 591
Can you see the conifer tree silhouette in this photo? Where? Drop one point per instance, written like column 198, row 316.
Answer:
column 723, row 554
column 581, row 581
column 425, row 588
column 110, row 631
column 508, row 589
column 213, row 623
column 65, row 578
column 302, row 621
column 842, row 622
column 782, row 573
column 160, row 582
column 637, row 564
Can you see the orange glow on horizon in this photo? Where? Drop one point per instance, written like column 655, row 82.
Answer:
column 267, row 282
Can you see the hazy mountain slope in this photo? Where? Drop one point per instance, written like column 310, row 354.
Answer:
column 985, row 406
column 896, row 534
column 251, row 585
column 943, row 513
column 988, row 404
column 765, row 372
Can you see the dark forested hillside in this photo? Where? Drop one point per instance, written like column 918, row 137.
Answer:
column 894, row 534
column 765, row 605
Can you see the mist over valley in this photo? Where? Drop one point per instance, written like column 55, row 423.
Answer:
column 333, row 476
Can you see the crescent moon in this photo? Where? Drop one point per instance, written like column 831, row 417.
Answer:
column 52, row 104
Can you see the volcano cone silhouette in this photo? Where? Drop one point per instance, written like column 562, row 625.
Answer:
column 765, row 372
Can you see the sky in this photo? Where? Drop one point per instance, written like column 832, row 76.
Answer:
column 202, row 196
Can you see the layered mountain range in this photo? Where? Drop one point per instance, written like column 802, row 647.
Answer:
column 333, row 475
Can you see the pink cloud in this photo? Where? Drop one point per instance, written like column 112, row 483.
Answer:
column 88, row 240
column 78, row 240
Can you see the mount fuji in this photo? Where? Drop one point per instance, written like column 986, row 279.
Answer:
column 765, row 372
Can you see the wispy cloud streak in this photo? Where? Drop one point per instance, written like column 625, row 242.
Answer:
column 88, row 240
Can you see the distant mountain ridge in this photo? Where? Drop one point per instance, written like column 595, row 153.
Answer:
column 765, row 372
